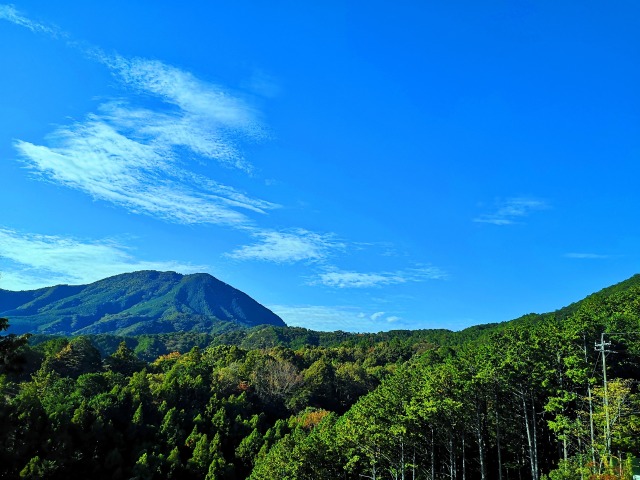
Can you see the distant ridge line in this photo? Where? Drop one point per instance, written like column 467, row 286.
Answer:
column 146, row 301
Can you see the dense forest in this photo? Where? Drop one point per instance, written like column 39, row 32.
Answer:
column 550, row 396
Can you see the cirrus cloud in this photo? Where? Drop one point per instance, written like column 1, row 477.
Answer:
column 9, row 13
column 143, row 160
column 112, row 161
column 288, row 246
column 351, row 279
column 510, row 211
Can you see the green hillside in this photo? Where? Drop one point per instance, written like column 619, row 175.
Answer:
column 524, row 399
column 134, row 303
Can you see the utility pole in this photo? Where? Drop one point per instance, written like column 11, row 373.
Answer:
column 601, row 347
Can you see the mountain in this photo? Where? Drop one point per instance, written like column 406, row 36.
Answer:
column 614, row 296
column 134, row 303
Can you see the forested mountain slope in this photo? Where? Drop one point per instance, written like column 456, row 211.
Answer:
column 600, row 296
column 134, row 303
column 524, row 402
column 397, row 343
column 522, row 399
column 149, row 346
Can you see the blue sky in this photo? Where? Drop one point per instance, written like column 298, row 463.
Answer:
column 361, row 166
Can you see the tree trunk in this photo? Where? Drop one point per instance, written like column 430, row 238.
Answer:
column 402, row 459
column 464, row 459
column 433, row 457
column 452, row 458
column 498, row 441
column 525, row 415
column 413, row 466
column 535, row 440
column 580, row 450
column 481, row 446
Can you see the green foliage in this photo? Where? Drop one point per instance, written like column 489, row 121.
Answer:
column 38, row 469
column 488, row 408
column 123, row 360
column 77, row 357
column 135, row 303
column 10, row 349
column 513, row 400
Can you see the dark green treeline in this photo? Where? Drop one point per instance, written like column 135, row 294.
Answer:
column 522, row 400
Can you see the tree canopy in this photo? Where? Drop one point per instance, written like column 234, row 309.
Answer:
column 527, row 399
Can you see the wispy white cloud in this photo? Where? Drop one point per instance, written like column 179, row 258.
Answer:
column 377, row 315
column 590, row 256
column 200, row 100
column 332, row 318
column 208, row 119
column 511, row 210
column 11, row 14
column 350, row 279
column 343, row 279
column 142, row 159
column 196, row 97
column 169, row 128
column 111, row 161
column 288, row 247
column 30, row 260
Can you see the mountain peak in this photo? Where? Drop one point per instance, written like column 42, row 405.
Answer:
column 145, row 301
